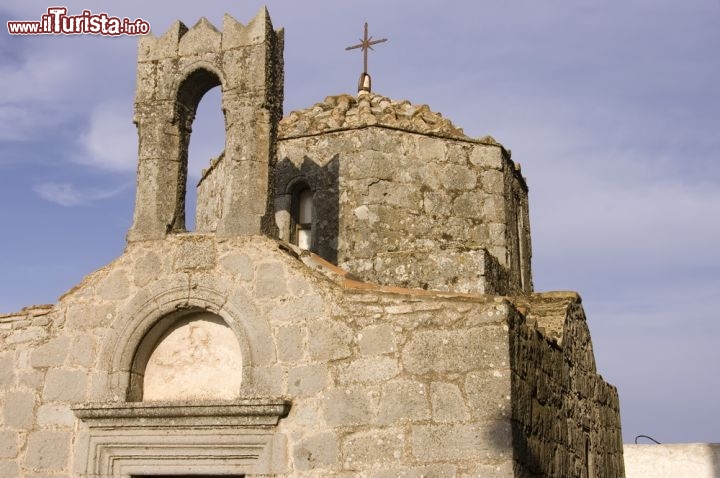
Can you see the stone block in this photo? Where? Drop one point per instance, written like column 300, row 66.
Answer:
column 431, row 471
column 194, row 253
column 48, row 450
column 7, row 371
column 290, row 343
column 487, row 156
column 85, row 316
column 488, row 393
column 430, row 149
column 9, row 469
column 457, row 177
column 469, row 204
column 377, row 340
column 450, row 442
column 64, row 386
column 83, row 351
column 237, row 264
column 146, row 268
column 368, row 370
column 298, row 309
column 403, row 400
column 51, row 354
column 493, row 209
column 55, row 416
column 329, row 340
column 114, row 286
column 452, row 351
column 270, row 281
column 307, row 380
column 351, row 406
column 268, row 381
column 447, row 402
column 369, row 447
column 498, row 470
column 493, row 181
column 18, row 409
column 316, row 451
column 32, row 379
column 8, row 444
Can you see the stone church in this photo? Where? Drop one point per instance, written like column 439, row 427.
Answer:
column 356, row 300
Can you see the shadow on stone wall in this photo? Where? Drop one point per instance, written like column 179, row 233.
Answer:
column 323, row 181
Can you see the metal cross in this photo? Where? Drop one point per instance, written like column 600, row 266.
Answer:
column 366, row 44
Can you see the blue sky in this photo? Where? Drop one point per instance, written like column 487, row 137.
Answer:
column 612, row 108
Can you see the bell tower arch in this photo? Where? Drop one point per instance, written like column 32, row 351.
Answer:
column 174, row 71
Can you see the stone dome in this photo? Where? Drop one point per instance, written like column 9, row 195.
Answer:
column 368, row 109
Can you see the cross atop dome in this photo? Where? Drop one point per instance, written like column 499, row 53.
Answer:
column 366, row 43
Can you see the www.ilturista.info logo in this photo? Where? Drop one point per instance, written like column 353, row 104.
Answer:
column 57, row 22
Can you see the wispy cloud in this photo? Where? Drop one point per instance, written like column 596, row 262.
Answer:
column 110, row 142
column 66, row 194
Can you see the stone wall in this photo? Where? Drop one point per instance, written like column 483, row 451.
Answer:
column 380, row 381
column 408, row 208
column 566, row 417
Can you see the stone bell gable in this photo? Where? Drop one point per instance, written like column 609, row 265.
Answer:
column 356, row 300
column 174, row 71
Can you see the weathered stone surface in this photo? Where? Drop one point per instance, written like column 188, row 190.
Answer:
column 51, row 354
column 48, row 450
column 55, row 416
column 8, row 444
column 377, row 339
column 9, row 469
column 488, row 392
column 378, row 446
column 350, row 406
column 307, row 380
column 290, row 343
column 7, row 370
column 368, row 370
column 460, row 442
column 114, row 286
column 448, row 404
column 316, row 452
column 18, row 409
column 329, row 340
column 403, row 400
column 455, row 351
column 431, row 471
column 270, row 280
column 64, row 386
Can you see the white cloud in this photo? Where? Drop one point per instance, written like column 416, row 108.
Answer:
column 111, row 141
column 66, row 194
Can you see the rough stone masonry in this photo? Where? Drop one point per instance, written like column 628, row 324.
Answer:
column 403, row 340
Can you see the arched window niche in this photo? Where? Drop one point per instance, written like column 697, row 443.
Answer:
column 302, row 216
column 184, row 411
column 194, row 356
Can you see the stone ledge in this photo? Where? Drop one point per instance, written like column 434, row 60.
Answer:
column 244, row 412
